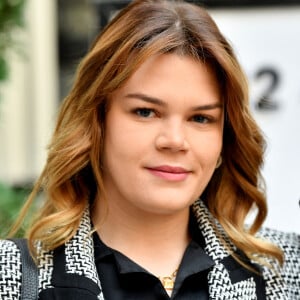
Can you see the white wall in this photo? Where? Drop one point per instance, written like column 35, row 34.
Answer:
column 29, row 98
column 270, row 38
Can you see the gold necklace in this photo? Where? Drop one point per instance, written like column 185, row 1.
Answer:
column 168, row 281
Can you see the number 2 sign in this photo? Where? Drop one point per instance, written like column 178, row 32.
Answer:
column 266, row 101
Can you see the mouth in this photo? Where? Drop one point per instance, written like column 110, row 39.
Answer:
column 169, row 173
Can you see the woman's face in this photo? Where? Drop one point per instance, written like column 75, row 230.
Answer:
column 163, row 136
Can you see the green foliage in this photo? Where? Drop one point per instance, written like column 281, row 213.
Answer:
column 11, row 17
column 11, row 201
column 3, row 69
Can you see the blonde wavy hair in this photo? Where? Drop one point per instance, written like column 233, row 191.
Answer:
column 72, row 176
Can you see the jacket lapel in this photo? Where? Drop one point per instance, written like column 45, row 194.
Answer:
column 227, row 279
column 70, row 270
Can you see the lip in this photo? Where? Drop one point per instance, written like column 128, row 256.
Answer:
column 170, row 173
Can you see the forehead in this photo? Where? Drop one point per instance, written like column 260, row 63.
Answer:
column 166, row 75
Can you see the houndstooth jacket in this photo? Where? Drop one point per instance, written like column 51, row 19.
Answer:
column 72, row 267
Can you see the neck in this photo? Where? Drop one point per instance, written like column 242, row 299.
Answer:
column 156, row 242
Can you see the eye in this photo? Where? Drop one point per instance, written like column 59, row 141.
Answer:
column 200, row 119
column 144, row 112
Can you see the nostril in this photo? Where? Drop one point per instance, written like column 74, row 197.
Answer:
column 171, row 143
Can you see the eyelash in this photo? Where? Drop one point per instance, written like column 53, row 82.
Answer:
column 140, row 112
column 204, row 119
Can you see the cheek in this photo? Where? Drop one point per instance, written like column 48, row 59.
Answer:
column 122, row 143
column 125, row 136
column 208, row 147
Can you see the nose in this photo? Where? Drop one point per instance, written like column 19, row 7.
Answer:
column 172, row 137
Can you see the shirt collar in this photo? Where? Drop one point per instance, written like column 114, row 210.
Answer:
column 195, row 259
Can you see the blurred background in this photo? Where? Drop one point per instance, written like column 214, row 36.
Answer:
column 42, row 41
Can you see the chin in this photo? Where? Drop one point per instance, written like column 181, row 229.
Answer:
column 169, row 207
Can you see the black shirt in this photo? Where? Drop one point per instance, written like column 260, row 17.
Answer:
column 122, row 278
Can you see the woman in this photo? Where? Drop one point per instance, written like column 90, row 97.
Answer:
column 152, row 170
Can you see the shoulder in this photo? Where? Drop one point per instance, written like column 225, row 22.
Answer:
column 289, row 242
column 290, row 271
column 281, row 238
column 10, row 270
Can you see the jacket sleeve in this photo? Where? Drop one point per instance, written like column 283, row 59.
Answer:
column 290, row 271
column 10, row 271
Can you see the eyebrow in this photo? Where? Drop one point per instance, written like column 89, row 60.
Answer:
column 147, row 98
column 157, row 101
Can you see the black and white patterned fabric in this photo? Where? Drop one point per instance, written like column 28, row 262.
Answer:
column 225, row 282
column 45, row 269
column 289, row 282
column 10, row 270
column 80, row 252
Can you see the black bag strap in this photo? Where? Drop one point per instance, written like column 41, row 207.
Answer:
column 29, row 288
